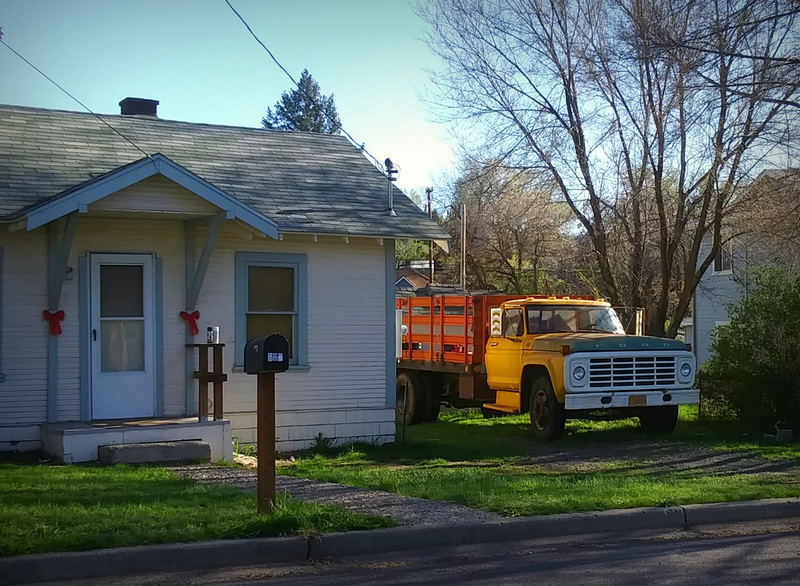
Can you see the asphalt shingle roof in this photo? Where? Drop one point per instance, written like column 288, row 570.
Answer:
column 304, row 182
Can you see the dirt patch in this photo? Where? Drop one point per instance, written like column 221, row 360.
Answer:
column 654, row 457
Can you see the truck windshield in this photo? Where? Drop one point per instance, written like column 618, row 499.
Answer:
column 572, row 318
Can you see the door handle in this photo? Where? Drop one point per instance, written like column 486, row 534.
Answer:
column 94, row 335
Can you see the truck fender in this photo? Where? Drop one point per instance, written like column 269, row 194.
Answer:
column 530, row 372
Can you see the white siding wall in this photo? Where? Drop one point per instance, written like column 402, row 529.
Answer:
column 155, row 194
column 341, row 395
column 23, row 395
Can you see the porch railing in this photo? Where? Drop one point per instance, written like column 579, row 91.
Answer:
column 205, row 376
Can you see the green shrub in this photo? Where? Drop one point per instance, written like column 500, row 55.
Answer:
column 755, row 369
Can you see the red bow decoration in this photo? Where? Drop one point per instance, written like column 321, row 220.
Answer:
column 54, row 319
column 192, row 319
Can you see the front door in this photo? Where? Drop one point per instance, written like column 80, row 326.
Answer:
column 123, row 336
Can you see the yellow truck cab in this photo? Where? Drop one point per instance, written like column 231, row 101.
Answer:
column 560, row 358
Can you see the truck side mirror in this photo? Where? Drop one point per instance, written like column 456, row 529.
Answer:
column 495, row 322
column 266, row 354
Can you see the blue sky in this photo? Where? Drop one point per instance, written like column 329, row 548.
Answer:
column 199, row 61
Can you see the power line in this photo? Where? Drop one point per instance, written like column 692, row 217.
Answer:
column 84, row 106
column 355, row 143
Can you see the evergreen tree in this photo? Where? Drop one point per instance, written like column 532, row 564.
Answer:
column 304, row 108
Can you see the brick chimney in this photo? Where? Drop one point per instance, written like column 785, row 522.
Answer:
column 133, row 106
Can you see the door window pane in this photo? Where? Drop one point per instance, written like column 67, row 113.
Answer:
column 121, row 345
column 121, row 291
column 271, row 289
column 266, row 324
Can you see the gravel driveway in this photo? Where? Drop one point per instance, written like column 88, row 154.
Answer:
column 403, row 509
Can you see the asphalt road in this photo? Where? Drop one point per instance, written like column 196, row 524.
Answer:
column 747, row 553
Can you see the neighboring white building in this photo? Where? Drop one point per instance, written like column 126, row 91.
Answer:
column 768, row 228
column 258, row 231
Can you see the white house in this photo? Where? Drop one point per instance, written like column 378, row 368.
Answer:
column 764, row 230
column 130, row 225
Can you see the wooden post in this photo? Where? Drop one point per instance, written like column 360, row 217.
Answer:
column 218, row 381
column 202, row 385
column 266, row 441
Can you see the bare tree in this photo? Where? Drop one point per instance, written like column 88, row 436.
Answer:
column 515, row 231
column 646, row 136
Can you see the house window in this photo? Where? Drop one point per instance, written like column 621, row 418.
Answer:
column 271, row 298
column 723, row 262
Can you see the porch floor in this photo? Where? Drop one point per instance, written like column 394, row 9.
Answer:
column 77, row 441
column 124, row 423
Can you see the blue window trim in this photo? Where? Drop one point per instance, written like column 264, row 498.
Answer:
column 298, row 262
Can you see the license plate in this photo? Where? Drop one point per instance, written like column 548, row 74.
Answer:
column 637, row 401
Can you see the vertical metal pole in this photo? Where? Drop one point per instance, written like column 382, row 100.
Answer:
column 265, row 436
column 464, row 246
column 429, row 190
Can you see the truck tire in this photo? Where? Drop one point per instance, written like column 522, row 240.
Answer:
column 433, row 404
column 411, row 398
column 547, row 414
column 659, row 419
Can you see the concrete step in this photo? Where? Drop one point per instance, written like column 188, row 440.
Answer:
column 181, row 452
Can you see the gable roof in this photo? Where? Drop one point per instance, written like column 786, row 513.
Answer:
column 413, row 277
column 79, row 198
column 300, row 182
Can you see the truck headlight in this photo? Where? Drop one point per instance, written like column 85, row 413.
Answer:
column 578, row 372
column 685, row 370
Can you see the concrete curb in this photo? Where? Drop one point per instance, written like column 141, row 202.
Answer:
column 171, row 557
column 215, row 554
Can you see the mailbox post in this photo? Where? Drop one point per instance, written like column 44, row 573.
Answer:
column 264, row 357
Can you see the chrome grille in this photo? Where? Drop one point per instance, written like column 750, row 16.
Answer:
column 648, row 372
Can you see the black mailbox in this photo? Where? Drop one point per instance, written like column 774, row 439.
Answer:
column 267, row 354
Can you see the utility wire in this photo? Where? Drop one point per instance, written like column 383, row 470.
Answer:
column 360, row 146
column 84, row 106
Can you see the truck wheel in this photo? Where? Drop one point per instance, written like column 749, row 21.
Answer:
column 433, row 404
column 659, row 419
column 547, row 414
column 411, row 399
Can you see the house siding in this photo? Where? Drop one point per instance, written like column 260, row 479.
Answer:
column 155, row 194
column 715, row 294
column 341, row 394
column 23, row 394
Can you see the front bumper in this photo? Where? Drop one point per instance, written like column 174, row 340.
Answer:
column 618, row 399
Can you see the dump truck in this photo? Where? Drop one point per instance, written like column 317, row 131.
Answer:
column 556, row 358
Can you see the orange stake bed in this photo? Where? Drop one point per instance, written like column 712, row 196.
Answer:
column 447, row 328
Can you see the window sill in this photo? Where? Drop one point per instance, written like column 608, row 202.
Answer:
column 292, row 368
column 728, row 272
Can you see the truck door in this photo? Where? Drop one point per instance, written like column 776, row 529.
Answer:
column 503, row 356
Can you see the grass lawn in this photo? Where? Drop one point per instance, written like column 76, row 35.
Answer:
column 47, row 508
column 495, row 464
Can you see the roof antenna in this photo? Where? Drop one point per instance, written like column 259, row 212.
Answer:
column 391, row 170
